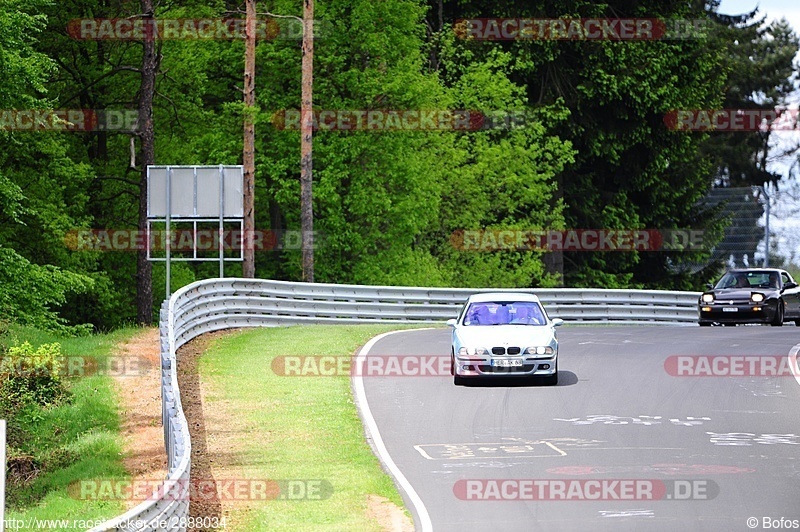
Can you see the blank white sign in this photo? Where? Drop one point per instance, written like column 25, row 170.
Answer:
column 195, row 191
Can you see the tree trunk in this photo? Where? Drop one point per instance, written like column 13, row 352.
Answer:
column 248, row 266
column 554, row 260
column 307, row 134
column 150, row 63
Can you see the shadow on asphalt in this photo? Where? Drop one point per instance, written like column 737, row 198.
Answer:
column 565, row 378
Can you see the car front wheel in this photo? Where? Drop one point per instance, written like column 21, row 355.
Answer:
column 778, row 321
column 458, row 380
column 552, row 380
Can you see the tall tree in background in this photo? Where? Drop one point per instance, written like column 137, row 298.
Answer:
column 629, row 170
column 42, row 190
column 387, row 204
column 760, row 61
column 147, row 90
column 248, row 266
column 306, row 143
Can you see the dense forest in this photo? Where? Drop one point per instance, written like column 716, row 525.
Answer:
column 594, row 149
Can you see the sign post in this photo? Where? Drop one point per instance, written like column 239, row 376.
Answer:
column 192, row 195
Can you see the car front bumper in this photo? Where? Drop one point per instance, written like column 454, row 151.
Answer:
column 745, row 312
column 472, row 366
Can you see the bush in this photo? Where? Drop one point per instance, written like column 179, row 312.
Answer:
column 31, row 377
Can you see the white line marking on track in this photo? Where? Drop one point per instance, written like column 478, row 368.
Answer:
column 373, row 432
column 556, row 449
column 627, row 513
column 423, row 453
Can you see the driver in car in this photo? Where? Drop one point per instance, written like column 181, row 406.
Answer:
column 773, row 279
column 527, row 315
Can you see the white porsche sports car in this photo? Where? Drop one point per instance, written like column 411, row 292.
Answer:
column 504, row 334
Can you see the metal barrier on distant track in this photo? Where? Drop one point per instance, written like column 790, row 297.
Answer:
column 217, row 304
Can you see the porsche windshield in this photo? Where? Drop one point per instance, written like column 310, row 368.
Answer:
column 504, row 313
column 746, row 280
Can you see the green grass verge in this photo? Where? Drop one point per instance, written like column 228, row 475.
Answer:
column 73, row 441
column 298, row 427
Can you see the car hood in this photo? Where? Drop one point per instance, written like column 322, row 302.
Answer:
column 739, row 293
column 498, row 335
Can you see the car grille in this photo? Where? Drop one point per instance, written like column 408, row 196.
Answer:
column 516, row 369
column 503, row 351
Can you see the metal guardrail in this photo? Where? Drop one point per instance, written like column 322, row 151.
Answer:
column 217, row 304
column 166, row 512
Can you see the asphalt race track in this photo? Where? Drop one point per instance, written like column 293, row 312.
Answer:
column 622, row 443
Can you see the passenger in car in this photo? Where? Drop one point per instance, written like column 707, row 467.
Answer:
column 536, row 315
column 502, row 315
column 479, row 315
column 520, row 316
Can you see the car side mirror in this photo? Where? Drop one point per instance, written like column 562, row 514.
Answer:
column 709, row 286
column 558, row 322
column 788, row 285
column 451, row 323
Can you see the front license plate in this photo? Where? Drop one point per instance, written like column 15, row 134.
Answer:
column 506, row 363
column 730, row 309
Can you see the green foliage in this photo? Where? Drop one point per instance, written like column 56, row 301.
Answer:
column 60, row 430
column 628, row 170
column 27, row 292
column 31, row 376
column 759, row 59
column 503, row 178
column 30, row 383
column 594, row 152
column 23, row 70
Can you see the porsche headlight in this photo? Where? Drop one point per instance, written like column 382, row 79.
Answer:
column 757, row 298
column 708, row 298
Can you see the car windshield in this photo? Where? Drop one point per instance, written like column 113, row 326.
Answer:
column 755, row 279
column 504, row 313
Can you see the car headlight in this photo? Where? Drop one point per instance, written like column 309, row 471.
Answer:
column 708, row 298
column 757, row 298
column 539, row 350
column 469, row 351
